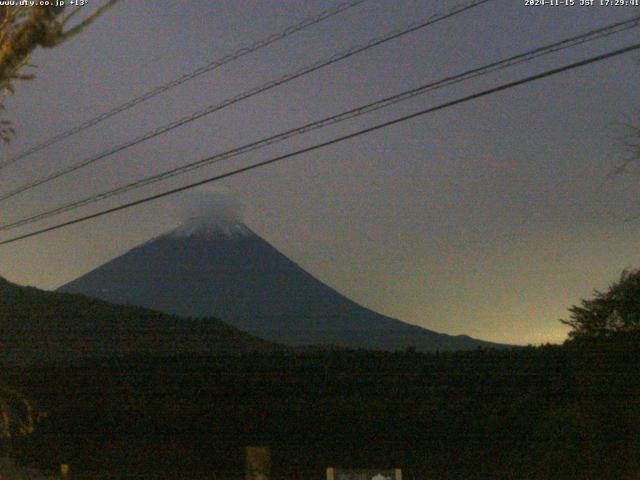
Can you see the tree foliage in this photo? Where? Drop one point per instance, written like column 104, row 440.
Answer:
column 543, row 413
column 22, row 30
column 612, row 313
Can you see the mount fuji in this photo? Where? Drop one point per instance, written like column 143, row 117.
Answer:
column 218, row 267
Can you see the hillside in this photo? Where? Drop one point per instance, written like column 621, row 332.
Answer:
column 39, row 326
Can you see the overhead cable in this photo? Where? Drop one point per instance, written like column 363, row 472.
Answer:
column 333, row 141
column 530, row 55
column 241, row 52
column 245, row 95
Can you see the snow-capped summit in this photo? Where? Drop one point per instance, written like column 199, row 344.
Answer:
column 209, row 226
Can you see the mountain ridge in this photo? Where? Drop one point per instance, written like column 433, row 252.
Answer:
column 197, row 270
column 37, row 326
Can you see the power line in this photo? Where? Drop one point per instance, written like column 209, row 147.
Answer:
column 530, row 55
column 248, row 94
column 333, row 141
column 241, row 52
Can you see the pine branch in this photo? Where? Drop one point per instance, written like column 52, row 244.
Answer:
column 63, row 37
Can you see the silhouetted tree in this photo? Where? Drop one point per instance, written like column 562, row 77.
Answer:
column 610, row 313
column 22, row 30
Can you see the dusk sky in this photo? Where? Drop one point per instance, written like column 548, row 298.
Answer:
column 490, row 218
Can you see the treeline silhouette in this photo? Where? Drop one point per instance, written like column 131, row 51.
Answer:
column 550, row 412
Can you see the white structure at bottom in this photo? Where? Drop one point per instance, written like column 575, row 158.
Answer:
column 364, row 474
